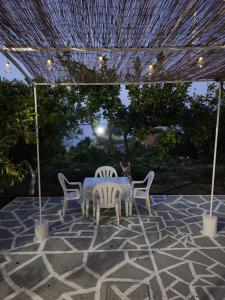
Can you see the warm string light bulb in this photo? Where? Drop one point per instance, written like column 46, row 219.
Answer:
column 151, row 69
column 101, row 60
column 7, row 67
column 49, row 63
column 200, row 61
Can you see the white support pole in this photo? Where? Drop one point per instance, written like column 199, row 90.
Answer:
column 210, row 221
column 38, row 152
column 215, row 148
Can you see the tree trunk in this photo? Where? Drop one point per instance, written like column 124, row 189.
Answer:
column 32, row 180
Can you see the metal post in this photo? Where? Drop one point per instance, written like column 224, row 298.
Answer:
column 215, row 147
column 38, row 152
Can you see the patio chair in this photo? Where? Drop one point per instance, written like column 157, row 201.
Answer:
column 143, row 192
column 70, row 193
column 106, row 195
column 106, row 171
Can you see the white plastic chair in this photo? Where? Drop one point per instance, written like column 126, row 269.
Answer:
column 107, row 195
column 106, row 171
column 143, row 192
column 70, row 193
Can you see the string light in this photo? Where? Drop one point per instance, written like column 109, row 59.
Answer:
column 151, row 69
column 7, row 67
column 200, row 61
column 101, row 60
column 49, row 63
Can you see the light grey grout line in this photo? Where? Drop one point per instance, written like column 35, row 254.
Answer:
column 164, row 296
column 71, row 271
column 57, row 276
column 14, row 286
column 40, row 283
column 68, row 295
column 118, row 293
column 90, row 247
column 94, row 274
column 136, row 285
column 104, row 278
column 68, row 244
column 208, row 294
column 13, row 295
column 27, row 262
column 178, row 295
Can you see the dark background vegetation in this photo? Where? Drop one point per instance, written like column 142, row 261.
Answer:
column 181, row 157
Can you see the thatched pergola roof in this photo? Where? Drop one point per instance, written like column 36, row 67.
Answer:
column 129, row 35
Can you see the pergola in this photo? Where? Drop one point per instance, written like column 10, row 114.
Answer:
column 68, row 42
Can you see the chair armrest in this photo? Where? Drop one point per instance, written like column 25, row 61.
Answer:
column 136, row 182
column 72, row 190
column 76, row 183
column 140, row 189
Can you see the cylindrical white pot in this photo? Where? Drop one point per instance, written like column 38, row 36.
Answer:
column 41, row 230
column 209, row 226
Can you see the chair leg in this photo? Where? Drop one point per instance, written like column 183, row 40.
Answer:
column 126, row 208
column 87, row 208
column 117, row 215
column 97, row 215
column 94, row 209
column 130, row 209
column 147, row 201
column 64, row 207
column 82, row 208
column 120, row 209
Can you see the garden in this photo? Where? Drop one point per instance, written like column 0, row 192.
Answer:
column 182, row 122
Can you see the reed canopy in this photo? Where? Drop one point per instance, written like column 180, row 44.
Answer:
column 114, row 41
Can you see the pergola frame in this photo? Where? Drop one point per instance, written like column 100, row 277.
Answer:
column 35, row 84
column 171, row 35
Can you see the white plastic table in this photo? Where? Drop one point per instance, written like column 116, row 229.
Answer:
column 124, row 182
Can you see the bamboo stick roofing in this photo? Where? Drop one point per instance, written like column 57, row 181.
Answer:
column 129, row 35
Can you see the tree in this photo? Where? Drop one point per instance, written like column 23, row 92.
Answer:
column 148, row 107
column 198, row 124
column 57, row 109
column 17, row 117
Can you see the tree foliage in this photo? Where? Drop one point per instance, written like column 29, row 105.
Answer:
column 16, row 121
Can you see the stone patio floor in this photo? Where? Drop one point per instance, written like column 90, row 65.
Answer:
column 162, row 256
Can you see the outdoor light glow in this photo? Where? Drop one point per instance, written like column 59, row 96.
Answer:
column 100, row 130
column 49, row 63
column 7, row 67
column 200, row 61
column 151, row 69
column 101, row 59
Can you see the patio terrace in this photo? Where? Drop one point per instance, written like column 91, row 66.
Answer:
column 163, row 256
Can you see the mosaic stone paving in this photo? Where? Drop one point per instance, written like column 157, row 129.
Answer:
column 162, row 256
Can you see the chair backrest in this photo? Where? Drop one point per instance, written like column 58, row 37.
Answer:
column 106, row 171
column 107, row 193
column 150, row 176
column 62, row 180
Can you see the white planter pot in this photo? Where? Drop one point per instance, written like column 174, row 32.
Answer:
column 41, row 230
column 209, row 226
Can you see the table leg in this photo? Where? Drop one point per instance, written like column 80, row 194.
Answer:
column 130, row 209
column 83, row 209
column 87, row 207
column 126, row 208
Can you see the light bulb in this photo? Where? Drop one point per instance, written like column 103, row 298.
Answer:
column 7, row 67
column 101, row 60
column 49, row 63
column 200, row 61
column 151, row 69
